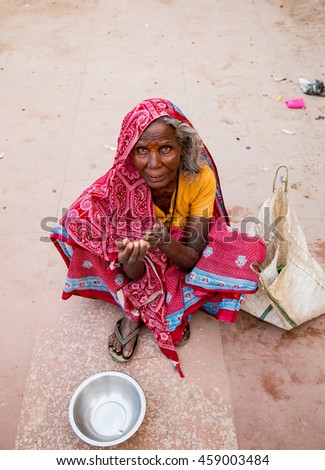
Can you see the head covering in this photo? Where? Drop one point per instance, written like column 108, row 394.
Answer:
column 119, row 205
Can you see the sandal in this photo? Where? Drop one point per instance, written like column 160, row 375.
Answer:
column 186, row 336
column 124, row 341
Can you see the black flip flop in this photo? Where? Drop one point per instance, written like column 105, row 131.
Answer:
column 124, row 341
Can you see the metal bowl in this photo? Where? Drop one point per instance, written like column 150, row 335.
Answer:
column 107, row 408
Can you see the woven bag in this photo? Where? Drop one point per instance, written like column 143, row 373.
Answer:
column 291, row 282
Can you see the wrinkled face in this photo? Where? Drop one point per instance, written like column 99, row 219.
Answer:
column 157, row 155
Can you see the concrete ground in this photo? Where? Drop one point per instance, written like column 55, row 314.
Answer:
column 69, row 72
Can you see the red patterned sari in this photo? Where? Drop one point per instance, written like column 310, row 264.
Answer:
column 119, row 205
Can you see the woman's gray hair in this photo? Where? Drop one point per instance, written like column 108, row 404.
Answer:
column 192, row 161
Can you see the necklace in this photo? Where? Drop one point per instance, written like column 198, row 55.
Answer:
column 174, row 205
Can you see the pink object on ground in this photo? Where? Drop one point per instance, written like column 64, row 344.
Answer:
column 296, row 103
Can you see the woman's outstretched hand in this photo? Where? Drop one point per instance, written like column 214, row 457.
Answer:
column 131, row 252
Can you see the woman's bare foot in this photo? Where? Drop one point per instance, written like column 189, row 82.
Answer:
column 126, row 327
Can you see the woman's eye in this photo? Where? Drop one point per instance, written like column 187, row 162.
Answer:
column 166, row 149
column 142, row 150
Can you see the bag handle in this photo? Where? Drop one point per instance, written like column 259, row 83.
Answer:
column 255, row 265
column 286, row 178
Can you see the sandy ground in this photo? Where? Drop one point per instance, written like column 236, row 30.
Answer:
column 69, row 72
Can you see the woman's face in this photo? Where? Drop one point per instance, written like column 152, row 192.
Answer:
column 157, row 155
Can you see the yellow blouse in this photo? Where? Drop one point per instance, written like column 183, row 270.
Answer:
column 194, row 197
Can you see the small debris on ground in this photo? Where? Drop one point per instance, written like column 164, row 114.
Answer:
column 310, row 88
column 286, row 131
column 282, row 79
column 296, row 103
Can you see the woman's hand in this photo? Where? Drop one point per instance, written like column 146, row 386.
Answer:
column 157, row 236
column 130, row 256
column 131, row 252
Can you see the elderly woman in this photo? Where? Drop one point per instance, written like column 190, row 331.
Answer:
column 136, row 237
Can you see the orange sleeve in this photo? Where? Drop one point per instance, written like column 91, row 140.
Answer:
column 204, row 193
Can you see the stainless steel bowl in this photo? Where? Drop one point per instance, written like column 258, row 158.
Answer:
column 107, row 408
